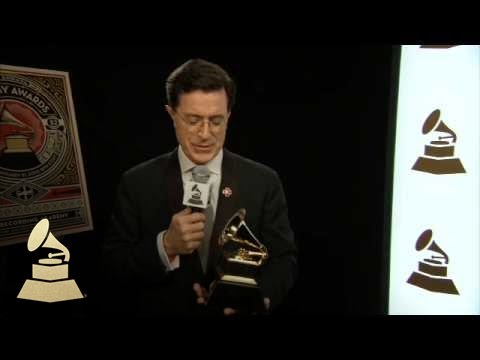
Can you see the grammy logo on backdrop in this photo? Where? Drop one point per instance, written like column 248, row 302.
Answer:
column 438, row 156
column 49, row 281
column 432, row 271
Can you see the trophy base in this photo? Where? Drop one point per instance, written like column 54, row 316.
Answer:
column 243, row 295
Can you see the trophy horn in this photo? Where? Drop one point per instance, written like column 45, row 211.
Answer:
column 231, row 228
column 239, row 242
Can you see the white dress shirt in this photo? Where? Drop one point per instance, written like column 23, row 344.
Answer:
column 186, row 166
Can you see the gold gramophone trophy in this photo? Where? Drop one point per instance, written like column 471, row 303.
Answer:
column 242, row 256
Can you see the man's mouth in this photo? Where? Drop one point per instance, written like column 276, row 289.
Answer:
column 202, row 147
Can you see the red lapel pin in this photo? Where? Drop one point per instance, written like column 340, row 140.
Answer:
column 227, row 192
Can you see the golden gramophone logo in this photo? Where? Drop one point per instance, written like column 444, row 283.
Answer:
column 243, row 253
column 432, row 271
column 49, row 281
column 438, row 156
column 242, row 256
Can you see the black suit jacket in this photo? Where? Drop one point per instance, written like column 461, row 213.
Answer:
column 149, row 195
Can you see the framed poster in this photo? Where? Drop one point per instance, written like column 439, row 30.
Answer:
column 41, row 168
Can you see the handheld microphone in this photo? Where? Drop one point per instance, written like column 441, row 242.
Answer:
column 197, row 191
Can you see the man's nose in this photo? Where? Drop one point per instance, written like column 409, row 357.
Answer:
column 205, row 129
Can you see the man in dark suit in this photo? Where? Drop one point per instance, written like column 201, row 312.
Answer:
column 155, row 246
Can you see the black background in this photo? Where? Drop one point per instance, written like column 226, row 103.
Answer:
column 318, row 114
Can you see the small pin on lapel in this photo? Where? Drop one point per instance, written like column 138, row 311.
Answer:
column 227, row 192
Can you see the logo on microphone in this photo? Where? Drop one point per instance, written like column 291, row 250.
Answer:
column 196, row 194
column 197, row 191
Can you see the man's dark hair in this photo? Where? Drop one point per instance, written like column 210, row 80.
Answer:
column 198, row 74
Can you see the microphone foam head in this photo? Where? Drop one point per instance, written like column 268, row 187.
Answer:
column 201, row 174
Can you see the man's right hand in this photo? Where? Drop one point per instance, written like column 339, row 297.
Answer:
column 185, row 233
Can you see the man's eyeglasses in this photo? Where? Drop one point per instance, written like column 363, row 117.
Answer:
column 193, row 122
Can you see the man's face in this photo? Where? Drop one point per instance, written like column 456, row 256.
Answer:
column 200, row 122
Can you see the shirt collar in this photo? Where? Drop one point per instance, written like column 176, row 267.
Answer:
column 214, row 165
